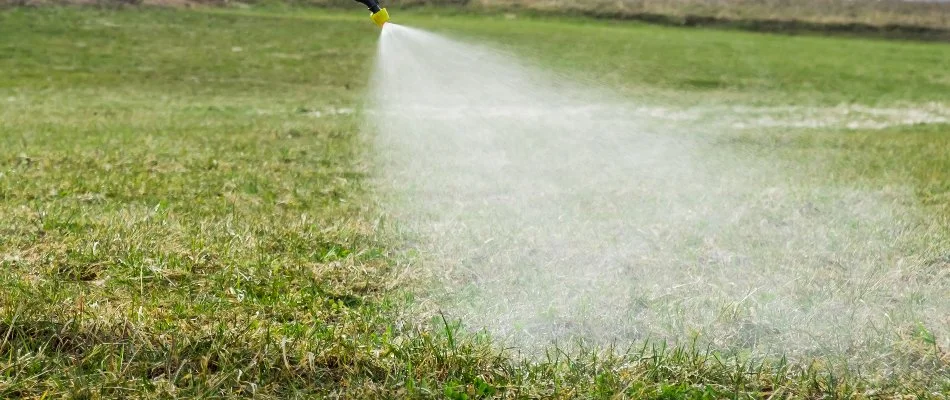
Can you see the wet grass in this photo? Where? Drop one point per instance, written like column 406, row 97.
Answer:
column 185, row 210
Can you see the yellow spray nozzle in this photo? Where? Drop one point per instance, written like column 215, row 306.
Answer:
column 380, row 17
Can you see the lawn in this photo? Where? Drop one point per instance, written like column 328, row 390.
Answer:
column 186, row 206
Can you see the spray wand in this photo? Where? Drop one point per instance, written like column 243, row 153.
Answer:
column 379, row 15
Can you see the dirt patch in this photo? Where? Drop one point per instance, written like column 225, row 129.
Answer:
column 845, row 116
column 771, row 14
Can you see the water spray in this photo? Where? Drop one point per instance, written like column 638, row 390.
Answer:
column 547, row 213
column 379, row 15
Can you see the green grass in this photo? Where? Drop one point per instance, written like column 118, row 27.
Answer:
column 806, row 15
column 177, row 220
column 758, row 68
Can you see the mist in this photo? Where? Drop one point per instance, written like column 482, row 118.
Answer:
column 549, row 211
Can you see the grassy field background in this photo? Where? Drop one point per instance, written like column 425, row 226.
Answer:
column 186, row 208
column 888, row 18
column 751, row 13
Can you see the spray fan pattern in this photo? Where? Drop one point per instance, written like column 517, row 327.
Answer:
column 548, row 213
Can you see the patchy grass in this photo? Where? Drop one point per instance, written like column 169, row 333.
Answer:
column 185, row 209
column 828, row 15
column 927, row 20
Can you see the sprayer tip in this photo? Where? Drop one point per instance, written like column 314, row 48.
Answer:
column 380, row 17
